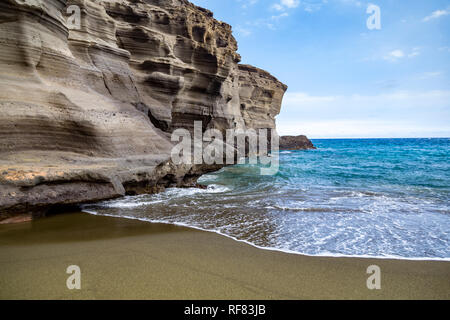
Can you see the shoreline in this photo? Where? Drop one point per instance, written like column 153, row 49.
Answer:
column 183, row 225
column 131, row 259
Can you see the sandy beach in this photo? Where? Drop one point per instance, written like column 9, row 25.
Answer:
column 128, row 259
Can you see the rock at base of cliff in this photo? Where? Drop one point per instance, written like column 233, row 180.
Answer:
column 295, row 143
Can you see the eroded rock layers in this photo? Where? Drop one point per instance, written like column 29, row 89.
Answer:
column 86, row 112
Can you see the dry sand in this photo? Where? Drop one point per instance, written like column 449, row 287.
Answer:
column 126, row 259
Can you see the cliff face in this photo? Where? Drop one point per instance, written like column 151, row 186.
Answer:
column 86, row 114
column 260, row 96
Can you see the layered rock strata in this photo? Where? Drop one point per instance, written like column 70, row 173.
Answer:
column 86, row 112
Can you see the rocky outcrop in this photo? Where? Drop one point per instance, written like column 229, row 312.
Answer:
column 295, row 143
column 260, row 96
column 86, row 113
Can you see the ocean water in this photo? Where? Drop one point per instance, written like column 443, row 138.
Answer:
column 350, row 197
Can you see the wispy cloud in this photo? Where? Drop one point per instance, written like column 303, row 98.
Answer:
column 414, row 53
column 351, row 2
column 394, row 114
column 289, row 3
column 398, row 54
column 395, row 55
column 429, row 75
column 323, row 129
column 270, row 22
column 247, row 3
column 279, row 16
column 306, row 5
column 284, row 5
column 405, row 99
column 243, row 32
column 436, row 14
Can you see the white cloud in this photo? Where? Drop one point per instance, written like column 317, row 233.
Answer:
column 244, row 32
column 282, row 15
column 397, row 114
column 407, row 99
column 394, row 55
column 429, row 75
column 290, row 3
column 307, row 5
column 360, row 129
column 414, row 53
column 247, row 3
column 436, row 14
column 351, row 2
column 286, row 4
column 398, row 54
column 278, row 7
column 301, row 98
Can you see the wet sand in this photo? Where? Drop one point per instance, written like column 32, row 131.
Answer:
column 127, row 259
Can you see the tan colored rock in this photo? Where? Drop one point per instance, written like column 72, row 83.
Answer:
column 260, row 96
column 86, row 114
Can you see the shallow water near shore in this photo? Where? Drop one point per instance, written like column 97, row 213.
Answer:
column 354, row 197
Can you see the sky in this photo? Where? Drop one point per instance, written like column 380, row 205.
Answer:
column 346, row 80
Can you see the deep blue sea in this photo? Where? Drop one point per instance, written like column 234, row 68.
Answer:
column 350, row 197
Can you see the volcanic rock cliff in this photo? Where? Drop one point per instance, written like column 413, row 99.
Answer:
column 86, row 113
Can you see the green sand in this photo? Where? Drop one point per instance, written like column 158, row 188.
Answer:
column 126, row 259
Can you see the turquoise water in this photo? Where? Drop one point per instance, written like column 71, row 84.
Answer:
column 360, row 197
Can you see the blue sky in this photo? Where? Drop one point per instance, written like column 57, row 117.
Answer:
column 344, row 79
